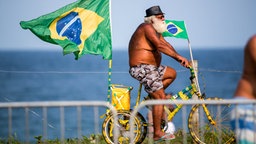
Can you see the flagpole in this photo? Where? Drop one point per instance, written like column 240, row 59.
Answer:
column 116, row 132
column 193, row 65
column 109, row 78
column 110, row 61
column 192, row 61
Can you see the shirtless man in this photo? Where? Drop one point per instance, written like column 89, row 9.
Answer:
column 247, row 84
column 246, row 89
column 145, row 49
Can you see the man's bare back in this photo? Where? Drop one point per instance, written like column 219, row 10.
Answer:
column 247, row 84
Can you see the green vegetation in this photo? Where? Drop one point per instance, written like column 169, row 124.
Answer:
column 93, row 139
column 98, row 139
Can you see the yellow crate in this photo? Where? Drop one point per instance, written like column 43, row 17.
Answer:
column 121, row 96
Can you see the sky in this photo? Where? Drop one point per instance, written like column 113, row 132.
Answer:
column 210, row 24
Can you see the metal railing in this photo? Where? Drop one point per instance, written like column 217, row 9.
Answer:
column 218, row 103
column 57, row 104
column 45, row 106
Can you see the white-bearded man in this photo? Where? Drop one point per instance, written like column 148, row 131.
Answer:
column 145, row 54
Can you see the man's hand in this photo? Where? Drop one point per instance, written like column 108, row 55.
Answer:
column 184, row 62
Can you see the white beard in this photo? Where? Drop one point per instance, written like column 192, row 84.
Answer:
column 159, row 25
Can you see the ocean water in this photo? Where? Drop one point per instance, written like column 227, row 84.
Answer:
column 50, row 76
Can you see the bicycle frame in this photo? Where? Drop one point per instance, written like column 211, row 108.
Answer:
column 184, row 94
column 191, row 90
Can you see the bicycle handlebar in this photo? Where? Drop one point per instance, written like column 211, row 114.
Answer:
column 192, row 73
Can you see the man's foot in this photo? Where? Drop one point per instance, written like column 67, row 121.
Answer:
column 165, row 137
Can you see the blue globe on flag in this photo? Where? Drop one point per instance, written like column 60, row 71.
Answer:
column 172, row 29
column 71, row 27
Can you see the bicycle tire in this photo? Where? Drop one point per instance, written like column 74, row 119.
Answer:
column 123, row 117
column 204, row 132
column 144, row 128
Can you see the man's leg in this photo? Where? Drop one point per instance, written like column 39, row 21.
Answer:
column 157, row 112
column 168, row 77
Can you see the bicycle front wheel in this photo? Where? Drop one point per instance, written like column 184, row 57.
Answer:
column 213, row 127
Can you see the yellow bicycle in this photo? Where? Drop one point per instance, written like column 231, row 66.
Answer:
column 206, row 123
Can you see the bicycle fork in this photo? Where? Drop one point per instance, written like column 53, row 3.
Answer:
column 209, row 117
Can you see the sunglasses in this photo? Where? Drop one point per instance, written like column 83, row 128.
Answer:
column 160, row 16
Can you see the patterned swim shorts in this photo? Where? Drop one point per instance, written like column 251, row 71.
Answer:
column 149, row 75
column 243, row 122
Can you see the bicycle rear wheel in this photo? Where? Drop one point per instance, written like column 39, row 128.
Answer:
column 203, row 130
column 123, row 117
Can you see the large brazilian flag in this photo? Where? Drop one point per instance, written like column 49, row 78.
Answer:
column 82, row 27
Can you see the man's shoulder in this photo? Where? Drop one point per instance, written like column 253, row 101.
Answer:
column 251, row 44
column 145, row 25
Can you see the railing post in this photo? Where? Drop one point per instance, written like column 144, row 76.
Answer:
column 195, row 62
column 195, row 97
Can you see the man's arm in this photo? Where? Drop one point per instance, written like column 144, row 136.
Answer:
column 163, row 46
column 183, row 61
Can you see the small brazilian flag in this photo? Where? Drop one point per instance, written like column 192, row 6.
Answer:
column 175, row 29
column 82, row 27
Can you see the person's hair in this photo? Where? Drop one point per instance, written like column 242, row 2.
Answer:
column 149, row 19
column 158, row 24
